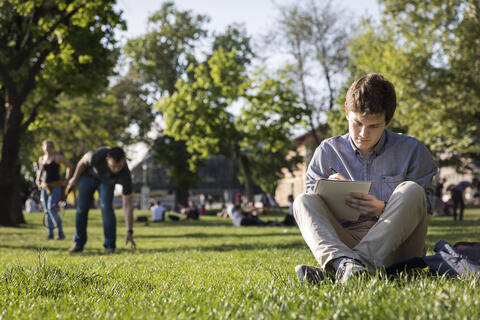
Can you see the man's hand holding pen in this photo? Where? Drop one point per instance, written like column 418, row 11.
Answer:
column 335, row 175
column 366, row 204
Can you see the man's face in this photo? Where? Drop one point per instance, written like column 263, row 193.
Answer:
column 115, row 167
column 365, row 130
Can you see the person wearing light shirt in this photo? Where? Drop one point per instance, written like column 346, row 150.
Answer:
column 394, row 214
column 158, row 212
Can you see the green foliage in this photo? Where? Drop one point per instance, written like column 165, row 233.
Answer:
column 157, row 60
column 86, row 122
column 162, row 55
column 200, row 113
column 235, row 38
column 430, row 51
column 46, row 48
column 173, row 155
column 53, row 46
column 210, row 269
column 267, row 120
column 337, row 123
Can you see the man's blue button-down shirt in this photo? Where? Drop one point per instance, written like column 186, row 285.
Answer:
column 396, row 158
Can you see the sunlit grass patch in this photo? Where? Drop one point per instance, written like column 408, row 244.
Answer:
column 210, row 269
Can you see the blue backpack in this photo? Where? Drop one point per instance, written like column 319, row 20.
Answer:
column 458, row 260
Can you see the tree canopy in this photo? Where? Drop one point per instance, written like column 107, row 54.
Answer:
column 46, row 48
column 430, row 51
column 157, row 60
column 202, row 112
column 84, row 122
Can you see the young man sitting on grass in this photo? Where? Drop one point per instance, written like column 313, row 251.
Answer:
column 393, row 221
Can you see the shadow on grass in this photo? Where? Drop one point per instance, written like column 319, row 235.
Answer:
column 201, row 222
column 212, row 235
column 31, row 247
column 215, row 248
column 445, row 228
column 28, row 225
column 229, row 247
column 449, row 222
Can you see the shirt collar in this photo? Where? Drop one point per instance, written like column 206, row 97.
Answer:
column 378, row 147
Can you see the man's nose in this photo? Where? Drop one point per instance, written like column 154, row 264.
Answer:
column 363, row 131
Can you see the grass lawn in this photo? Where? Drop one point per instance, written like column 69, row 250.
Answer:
column 210, row 269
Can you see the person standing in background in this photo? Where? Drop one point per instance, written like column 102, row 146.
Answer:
column 51, row 186
column 457, row 193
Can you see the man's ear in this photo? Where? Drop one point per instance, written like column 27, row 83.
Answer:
column 346, row 111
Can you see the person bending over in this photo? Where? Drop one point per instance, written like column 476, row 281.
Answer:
column 393, row 222
column 100, row 170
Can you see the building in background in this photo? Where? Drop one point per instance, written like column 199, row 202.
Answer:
column 218, row 179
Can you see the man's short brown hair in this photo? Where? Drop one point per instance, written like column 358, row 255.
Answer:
column 372, row 94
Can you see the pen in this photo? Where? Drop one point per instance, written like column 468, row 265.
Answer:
column 333, row 171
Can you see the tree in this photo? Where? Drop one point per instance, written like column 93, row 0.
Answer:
column 267, row 122
column 119, row 115
column 46, row 48
column 158, row 59
column 200, row 111
column 82, row 123
column 316, row 38
column 173, row 154
column 430, row 51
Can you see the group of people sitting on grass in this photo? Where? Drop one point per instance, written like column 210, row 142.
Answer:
column 250, row 216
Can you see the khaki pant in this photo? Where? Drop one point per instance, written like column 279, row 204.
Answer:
column 399, row 233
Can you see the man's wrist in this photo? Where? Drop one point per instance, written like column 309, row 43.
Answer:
column 384, row 206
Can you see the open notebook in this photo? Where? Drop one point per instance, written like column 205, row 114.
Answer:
column 334, row 192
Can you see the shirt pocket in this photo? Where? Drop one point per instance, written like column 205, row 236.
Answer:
column 389, row 183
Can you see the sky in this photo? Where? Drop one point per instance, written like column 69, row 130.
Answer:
column 257, row 15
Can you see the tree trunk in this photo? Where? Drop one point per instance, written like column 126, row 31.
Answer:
column 181, row 197
column 10, row 204
column 244, row 165
column 17, row 202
